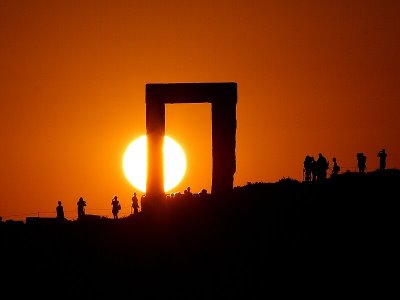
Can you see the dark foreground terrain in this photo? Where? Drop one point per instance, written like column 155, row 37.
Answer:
column 337, row 238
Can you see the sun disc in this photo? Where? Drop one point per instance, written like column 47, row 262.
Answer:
column 135, row 163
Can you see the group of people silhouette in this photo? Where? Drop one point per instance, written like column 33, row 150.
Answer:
column 316, row 170
column 188, row 195
column 81, row 204
column 313, row 170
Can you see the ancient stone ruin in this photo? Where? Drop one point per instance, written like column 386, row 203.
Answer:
column 223, row 99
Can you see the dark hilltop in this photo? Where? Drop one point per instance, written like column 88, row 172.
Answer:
column 310, row 239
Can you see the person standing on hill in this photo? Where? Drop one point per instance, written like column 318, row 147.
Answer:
column 60, row 211
column 322, row 166
column 361, row 162
column 135, row 204
column 335, row 168
column 116, row 207
column 382, row 159
column 307, row 166
column 81, row 207
column 313, row 164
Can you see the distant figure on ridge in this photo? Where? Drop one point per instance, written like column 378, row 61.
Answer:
column 382, row 159
column 313, row 169
column 335, row 168
column 81, row 207
column 361, row 162
column 135, row 204
column 187, row 193
column 60, row 211
column 116, row 206
column 322, row 166
column 203, row 194
column 307, row 168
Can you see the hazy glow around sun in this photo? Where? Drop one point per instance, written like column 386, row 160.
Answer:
column 135, row 163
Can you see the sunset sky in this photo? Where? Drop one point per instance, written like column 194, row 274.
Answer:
column 313, row 76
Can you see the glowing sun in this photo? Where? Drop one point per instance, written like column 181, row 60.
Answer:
column 135, row 163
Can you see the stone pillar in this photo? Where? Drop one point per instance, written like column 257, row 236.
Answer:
column 223, row 147
column 155, row 130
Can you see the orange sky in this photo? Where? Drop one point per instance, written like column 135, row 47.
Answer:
column 313, row 76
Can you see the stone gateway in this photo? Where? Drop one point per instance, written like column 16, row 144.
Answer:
column 223, row 99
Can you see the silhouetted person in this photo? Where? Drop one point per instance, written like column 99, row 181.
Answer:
column 307, row 166
column 335, row 168
column 135, row 204
column 81, row 207
column 361, row 162
column 187, row 193
column 116, row 206
column 313, row 165
column 382, row 159
column 203, row 193
column 60, row 211
column 322, row 166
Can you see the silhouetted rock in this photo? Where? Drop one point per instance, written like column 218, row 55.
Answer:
column 40, row 220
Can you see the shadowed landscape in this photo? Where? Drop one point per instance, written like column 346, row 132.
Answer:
column 336, row 237
column 92, row 95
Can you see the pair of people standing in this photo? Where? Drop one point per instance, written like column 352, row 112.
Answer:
column 315, row 170
column 116, row 205
column 362, row 161
column 81, row 209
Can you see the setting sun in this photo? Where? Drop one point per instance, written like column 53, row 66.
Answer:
column 135, row 163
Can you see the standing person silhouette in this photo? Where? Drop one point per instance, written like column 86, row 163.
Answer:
column 81, row 207
column 307, row 166
column 382, row 159
column 361, row 162
column 187, row 193
column 322, row 166
column 313, row 164
column 335, row 168
column 60, row 211
column 116, row 206
column 135, row 204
